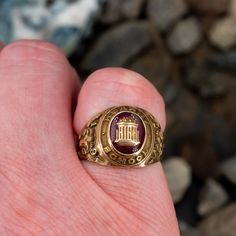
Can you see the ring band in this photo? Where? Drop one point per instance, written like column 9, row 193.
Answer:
column 122, row 136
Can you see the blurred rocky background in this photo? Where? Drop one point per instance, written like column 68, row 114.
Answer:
column 187, row 49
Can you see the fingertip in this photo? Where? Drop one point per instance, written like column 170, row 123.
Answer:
column 38, row 57
column 115, row 87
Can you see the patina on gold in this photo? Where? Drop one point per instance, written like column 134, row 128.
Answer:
column 122, row 136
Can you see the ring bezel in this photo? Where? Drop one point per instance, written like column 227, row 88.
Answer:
column 106, row 146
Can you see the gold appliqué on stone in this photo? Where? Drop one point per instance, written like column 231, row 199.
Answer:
column 95, row 143
column 127, row 133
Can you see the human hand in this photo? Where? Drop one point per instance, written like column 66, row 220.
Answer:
column 45, row 188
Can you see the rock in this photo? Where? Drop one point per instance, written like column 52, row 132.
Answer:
column 56, row 6
column 30, row 19
column 155, row 66
column 185, row 36
column 221, row 223
column 212, row 7
column 197, row 150
column 65, row 38
column 214, row 86
column 178, row 176
column 117, row 10
column 223, row 61
column 212, row 197
column 72, row 23
column 118, row 45
column 35, row 17
column 191, row 232
column 223, row 33
column 228, row 167
column 183, row 120
column 196, row 73
column 232, row 8
column 206, row 82
column 223, row 127
column 187, row 230
column 164, row 13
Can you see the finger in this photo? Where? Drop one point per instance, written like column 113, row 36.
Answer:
column 143, row 191
column 37, row 87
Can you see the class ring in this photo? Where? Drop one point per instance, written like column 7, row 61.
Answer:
column 122, row 136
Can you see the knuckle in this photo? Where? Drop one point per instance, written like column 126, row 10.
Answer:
column 35, row 59
column 22, row 50
column 136, row 90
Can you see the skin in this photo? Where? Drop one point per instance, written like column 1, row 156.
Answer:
column 45, row 188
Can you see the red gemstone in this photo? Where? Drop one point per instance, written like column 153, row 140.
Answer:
column 127, row 132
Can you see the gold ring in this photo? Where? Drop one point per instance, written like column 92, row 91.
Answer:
column 122, row 136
